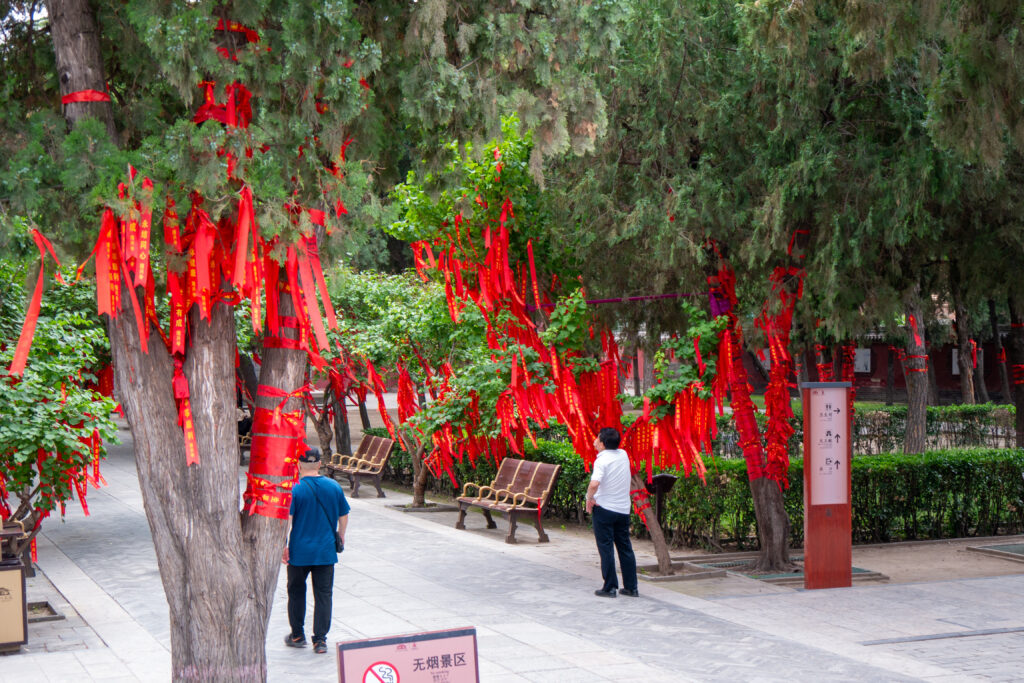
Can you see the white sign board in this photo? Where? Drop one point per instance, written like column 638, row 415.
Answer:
column 862, row 361
column 829, row 447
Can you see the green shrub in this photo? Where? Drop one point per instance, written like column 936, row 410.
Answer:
column 896, row 497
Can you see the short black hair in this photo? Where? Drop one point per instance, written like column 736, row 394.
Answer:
column 610, row 438
column 310, row 456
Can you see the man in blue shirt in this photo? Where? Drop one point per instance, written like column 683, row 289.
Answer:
column 318, row 509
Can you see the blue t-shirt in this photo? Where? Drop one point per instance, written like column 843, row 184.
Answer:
column 312, row 537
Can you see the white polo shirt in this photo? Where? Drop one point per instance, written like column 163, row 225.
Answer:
column 611, row 471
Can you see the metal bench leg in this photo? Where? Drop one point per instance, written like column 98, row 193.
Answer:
column 355, row 486
column 461, row 524
column 490, row 520
column 511, row 538
column 351, row 481
column 541, row 536
column 376, row 482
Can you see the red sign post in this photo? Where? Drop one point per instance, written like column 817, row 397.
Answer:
column 827, row 454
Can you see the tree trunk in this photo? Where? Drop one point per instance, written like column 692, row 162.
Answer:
column 420, row 472
column 322, row 424
column 823, row 362
column 650, row 521
column 997, row 341
column 364, row 415
column 247, row 372
column 980, row 388
column 637, row 389
column 915, row 367
column 218, row 566
column 76, row 45
column 890, row 376
column 342, row 432
column 963, row 337
column 802, row 374
column 773, row 525
column 933, row 381
column 1017, row 362
column 772, row 521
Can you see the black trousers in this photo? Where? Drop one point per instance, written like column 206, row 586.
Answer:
column 612, row 529
column 323, row 586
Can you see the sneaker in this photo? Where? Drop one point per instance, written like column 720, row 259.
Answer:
column 631, row 593
column 605, row 594
column 320, row 647
column 292, row 641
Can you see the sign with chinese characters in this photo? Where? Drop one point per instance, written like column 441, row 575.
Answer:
column 828, row 445
column 432, row 657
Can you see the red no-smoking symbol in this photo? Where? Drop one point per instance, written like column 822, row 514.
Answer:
column 381, row 672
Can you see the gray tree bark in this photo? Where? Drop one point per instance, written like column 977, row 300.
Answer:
column 997, row 341
column 218, row 566
column 917, row 381
column 76, row 44
column 963, row 336
column 654, row 529
column 890, row 376
column 1017, row 359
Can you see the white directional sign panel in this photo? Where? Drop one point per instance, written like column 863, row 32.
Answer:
column 828, row 447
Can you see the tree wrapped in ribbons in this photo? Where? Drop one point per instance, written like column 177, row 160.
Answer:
column 478, row 239
column 397, row 327
column 235, row 193
column 282, row 98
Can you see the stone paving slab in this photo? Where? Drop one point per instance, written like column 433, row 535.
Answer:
column 532, row 605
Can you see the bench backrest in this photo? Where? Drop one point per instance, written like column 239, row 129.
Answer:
column 374, row 449
column 535, row 479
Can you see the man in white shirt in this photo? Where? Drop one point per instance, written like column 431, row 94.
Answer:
column 608, row 501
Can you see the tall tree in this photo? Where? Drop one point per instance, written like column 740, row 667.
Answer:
column 297, row 105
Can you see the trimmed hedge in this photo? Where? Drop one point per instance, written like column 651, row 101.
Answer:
column 940, row 494
column 879, row 430
column 895, row 497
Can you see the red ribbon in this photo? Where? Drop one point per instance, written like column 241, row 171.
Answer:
column 85, row 96
column 917, row 336
column 28, row 330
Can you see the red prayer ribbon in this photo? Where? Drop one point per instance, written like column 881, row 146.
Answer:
column 28, row 330
column 85, row 96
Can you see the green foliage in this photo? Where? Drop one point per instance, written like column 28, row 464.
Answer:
column 896, row 497
column 45, row 414
column 675, row 363
column 570, row 329
column 940, row 494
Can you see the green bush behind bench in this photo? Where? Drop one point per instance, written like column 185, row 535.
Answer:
column 941, row 494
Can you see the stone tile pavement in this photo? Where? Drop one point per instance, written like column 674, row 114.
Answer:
column 532, row 605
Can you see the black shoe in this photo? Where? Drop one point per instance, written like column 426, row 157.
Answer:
column 292, row 641
column 631, row 593
column 320, row 647
column 605, row 594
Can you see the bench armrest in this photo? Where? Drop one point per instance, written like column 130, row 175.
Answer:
column 465, row 488
column 486, row 492
column 521, row 499
column 503, row 495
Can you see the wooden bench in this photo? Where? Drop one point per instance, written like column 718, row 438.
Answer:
column 521, row 488
column 366, row 463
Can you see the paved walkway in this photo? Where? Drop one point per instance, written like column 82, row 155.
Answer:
column 532, row 605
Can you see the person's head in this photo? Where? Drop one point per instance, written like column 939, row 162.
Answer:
column 609, row 438
column 309, row 462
